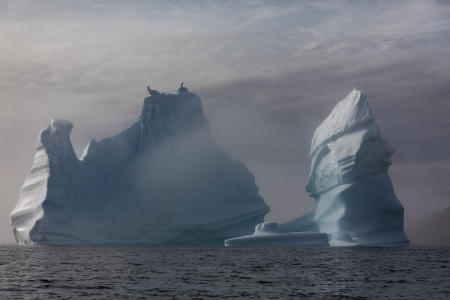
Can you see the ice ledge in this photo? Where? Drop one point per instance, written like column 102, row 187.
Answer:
column 267, row 234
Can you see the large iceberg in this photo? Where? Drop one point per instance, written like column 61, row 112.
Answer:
column 163, row 180
column 355, row 201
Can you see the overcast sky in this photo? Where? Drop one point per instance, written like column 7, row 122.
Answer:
column 268, row 72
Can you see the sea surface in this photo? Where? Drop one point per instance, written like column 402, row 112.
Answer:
column 142, row 272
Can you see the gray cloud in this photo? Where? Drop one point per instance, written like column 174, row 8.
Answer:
column 267, row 73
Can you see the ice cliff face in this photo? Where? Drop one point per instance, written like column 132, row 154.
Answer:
column 355, row 201
column 163, row 180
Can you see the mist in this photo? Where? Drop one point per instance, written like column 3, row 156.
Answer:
column 267, row 74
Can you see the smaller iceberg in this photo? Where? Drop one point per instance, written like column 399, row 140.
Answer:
column 355, row 203
column 267, row 234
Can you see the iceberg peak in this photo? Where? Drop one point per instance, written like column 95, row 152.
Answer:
column 182, row 88
column 164, row 114
column 60, row 126
column 348, row 113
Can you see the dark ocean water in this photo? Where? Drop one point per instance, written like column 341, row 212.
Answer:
column 124, row 272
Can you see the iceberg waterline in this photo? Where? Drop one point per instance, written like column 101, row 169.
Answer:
column 163, row 180
column 355, row 202
column 268, row 234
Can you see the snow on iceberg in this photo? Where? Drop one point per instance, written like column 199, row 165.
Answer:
column 163, row 180
column 355, row 201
